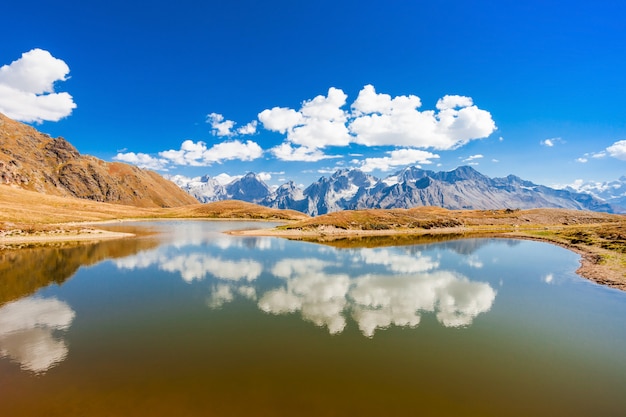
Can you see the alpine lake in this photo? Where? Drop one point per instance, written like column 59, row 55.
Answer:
column 186, row 320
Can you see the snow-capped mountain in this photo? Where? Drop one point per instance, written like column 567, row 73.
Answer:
column 250, row 188
column 462, row 188
column 613, row 192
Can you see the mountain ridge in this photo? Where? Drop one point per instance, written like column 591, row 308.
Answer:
column 37, row 162
column 352, row 189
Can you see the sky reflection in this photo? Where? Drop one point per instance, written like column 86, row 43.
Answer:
column 375, row 287
column 27, row 332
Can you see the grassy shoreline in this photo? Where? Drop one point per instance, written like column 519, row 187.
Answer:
column 29, row 218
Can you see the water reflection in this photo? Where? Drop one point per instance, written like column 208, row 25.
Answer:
column 375, row 287
column 194, row 266
column 24, row 271
column 376, row 301
column 27, row 332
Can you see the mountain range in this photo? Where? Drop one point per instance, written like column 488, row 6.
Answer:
column 352, row 189
column 35, row 161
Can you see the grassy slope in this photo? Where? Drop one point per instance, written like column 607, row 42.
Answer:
column 19, row 208
column 599, row 237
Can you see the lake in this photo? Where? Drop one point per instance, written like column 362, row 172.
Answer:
column 189, row 321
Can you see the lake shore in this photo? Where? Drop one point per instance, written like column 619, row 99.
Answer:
column 596, row 264
column 33, row 235
column 599, row 238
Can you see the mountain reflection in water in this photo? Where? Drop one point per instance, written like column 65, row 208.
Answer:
column 26, row 270
column 192, row 321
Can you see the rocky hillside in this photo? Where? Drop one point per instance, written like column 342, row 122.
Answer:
column 35, row 161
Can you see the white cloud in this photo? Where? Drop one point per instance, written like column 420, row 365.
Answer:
column 551, row 142
column 373, row 119
column 618, row 150
column 142, row 160
column 197, row 154
column 220, row 126
column 396, row 158
column 473, row 158
column 382, row 120
column 582, row 160
column 27, row 88
column 280, row 119
column 249, row 129
column 320, row 122
column 286, row 152
column 225, row 179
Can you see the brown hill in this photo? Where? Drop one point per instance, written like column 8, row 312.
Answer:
column 35, row 161
column 23, row 209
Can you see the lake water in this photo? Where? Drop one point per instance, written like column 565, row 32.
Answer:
column 194, row 322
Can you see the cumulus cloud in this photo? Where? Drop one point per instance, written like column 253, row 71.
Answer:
column 376, row 119
column 373, row 119
column 286, row 152
column 27, row 88
column 396, row 158
column 198, row 154
column 222, row 127
column 142, row 160
column 249, row 129
column 618, row 150
column 382, row 120
column 379, row 119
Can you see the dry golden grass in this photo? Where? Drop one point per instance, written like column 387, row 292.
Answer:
column 22, row 209
column 600, row 238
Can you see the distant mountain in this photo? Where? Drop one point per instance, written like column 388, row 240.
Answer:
column 462, row 188
column 613, row 192
column 35, row 161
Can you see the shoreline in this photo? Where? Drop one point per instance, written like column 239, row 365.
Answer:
column 19, row 237
column 593, row 260
column 591, row 266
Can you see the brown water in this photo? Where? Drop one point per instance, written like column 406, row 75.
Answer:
column 202, row 323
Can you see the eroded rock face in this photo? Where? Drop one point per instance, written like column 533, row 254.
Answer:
column 35, row 161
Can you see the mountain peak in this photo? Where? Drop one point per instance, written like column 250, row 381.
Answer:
column 461, row 188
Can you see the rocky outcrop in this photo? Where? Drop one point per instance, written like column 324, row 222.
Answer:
column 35, row 161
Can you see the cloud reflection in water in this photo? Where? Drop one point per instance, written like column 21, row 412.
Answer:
column 27, row 329
column 377, row 288
column 375, row 301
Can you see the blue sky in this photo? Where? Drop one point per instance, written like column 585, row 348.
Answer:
column 296, row 90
